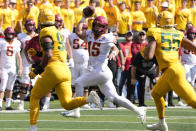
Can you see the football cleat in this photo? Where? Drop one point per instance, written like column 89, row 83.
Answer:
column 33, row 128
column 142, row 114
column 9, row 108
column 111, row 105
column 161, row 125
column 73, row 113
column 94, row 98
column 21, row 106
column 86, row 106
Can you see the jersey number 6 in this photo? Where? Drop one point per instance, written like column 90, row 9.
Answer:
column 93, row 48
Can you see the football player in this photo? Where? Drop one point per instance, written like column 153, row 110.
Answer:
column 65, row 33
column 80, row 57
column 100, row 43
column 53, row 71
column 189, row 58
column 164, row 43
column 9, row 53
column 24, row 39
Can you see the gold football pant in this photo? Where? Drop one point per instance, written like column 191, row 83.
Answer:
column 56, row 75
column 174, row 78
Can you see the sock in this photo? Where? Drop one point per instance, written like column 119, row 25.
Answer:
column 8, row 102
column 1, row 101
column 22, row 102
column 47, row 101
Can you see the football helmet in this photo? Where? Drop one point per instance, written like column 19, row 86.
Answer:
column 9, row 34
column 165, row 19
column 191, row 33
column 58, row 21
column 100, row 26
column 46, row 17
column 29, row 25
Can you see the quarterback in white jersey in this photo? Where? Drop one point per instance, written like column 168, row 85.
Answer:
column 99, row 45
column 189, row 58
column 24, row 38
column 9, row 53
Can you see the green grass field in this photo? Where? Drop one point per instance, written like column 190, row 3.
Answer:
column 178, row 119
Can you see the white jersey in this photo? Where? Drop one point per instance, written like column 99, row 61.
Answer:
column 65, row 33
column 79, row 49
column 24, row 39
column 99, row 49
column 8, row 53
column 189, row 57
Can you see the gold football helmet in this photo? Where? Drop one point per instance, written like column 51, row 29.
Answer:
column 165, row 19
column 46, row 17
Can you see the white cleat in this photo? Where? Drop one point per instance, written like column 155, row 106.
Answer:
column 21, row 106
column 94, row 98
column 111, row 105
column 142, row 114
column 73, row 113
column 180, row 103
column 161, row 125
column 33, row 128
column 86, row 106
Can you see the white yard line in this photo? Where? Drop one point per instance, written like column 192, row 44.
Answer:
column 59, row 129
column 119, row 122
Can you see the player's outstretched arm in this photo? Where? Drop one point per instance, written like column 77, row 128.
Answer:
column 87, row 12
column 189, row 45
column 150, row 48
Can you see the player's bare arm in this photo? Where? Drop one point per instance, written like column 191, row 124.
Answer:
column 189, row 45
column 114, row 52
column 150, row 48
column 68, row 47
column 47, row 45
column 19, row 62
column 87, row 12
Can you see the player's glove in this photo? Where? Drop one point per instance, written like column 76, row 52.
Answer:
column 32, row 75
column 35, row 71
column 71, row 63
column 32, row 52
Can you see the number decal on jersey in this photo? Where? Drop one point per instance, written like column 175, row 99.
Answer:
column 9, row 51
column 94, row 51
column 172, row 40
column 76, row 44
column 61, row 41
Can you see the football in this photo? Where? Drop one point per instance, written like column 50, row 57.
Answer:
column 88, row 11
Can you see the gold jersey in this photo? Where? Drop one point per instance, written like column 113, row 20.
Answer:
column 168, row 42
column 59, row 52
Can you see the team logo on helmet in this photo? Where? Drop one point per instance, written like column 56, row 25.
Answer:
column 9, row 34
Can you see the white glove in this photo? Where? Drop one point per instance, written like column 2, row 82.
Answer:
column 71, row 63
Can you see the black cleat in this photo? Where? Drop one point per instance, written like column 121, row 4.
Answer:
column 9, row 108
